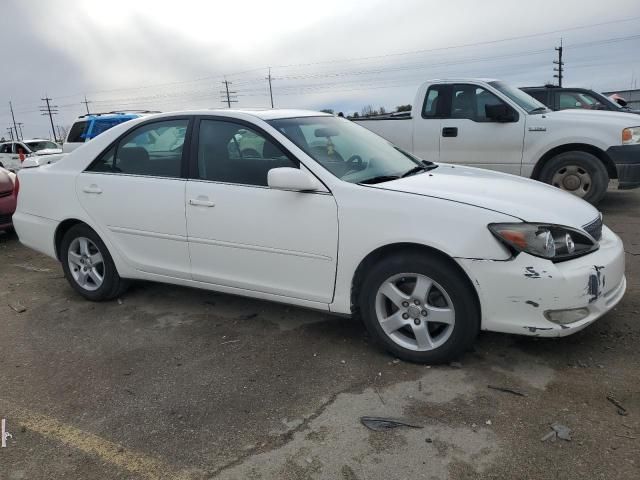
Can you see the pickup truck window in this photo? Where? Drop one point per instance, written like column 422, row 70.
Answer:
column 349, row 151
column 524, row 100
column 435, row 102
column 470, row 102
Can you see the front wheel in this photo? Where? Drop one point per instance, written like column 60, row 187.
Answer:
column 579, row 173
column 419, row 308
column 88, row 266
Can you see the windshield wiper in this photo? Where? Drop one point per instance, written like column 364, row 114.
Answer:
column 539, row 109
column 379, row 179
column 423, row 167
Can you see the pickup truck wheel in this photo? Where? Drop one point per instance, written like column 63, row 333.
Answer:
column 88, row 266
column 580, row 173
column 419, row 308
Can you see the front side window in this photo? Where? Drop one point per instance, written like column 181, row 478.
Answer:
column 470, row 102
column 347, row 150
column 233, row 153
column 152, row 150
column 568, row 99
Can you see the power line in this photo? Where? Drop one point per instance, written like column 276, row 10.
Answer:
column 270, row 89
column 86, row 104
column 50, row 110
column 560, row 64
column 230, row 95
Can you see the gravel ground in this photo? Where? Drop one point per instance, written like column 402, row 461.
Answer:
column 176, row 383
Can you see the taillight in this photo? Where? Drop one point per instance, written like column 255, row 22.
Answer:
column 16, row 187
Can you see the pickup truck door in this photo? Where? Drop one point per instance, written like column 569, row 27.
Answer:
column 469, row 137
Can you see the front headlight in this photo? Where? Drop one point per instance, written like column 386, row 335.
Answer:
column 631, row 135
column 553, row 242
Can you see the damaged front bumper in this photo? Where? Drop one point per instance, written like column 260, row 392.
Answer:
column 518, row 295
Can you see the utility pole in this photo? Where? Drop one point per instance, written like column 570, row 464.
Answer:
column 228, row 95
column 270, row 89
column 20, row 127
column 50, row 110
column 86, row 104
column 14, row 120
column 560, row 64
column 10, row 130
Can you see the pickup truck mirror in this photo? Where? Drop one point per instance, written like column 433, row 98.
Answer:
column 500, row 113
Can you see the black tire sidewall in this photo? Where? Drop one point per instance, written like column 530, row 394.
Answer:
column 111, row 277
column 591, row 163
column 457, row 286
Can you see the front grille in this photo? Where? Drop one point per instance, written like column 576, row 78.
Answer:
column 594, row 228
column 4, row 219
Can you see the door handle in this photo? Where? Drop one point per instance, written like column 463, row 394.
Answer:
column 92, row 189
column 450, row 132
column 201, row 202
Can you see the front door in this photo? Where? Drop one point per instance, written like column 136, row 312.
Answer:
column 135, row 193
column 469, row 137
column 242, row 233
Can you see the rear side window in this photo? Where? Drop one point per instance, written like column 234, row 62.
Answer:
column 435, row 102
column 539, row 95
column 77, row 132
column 232, row 153
column 153, row 150
column 6, row 148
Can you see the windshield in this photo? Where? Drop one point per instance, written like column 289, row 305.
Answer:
column 41, row 145
column 524, row 100
column 349, row 151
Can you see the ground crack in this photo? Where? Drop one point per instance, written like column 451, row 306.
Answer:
column 285, row 437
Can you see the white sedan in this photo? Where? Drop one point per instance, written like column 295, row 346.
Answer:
column 313, row 210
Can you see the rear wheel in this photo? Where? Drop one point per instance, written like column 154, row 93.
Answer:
column 579, row 173
column 88, row 266
column 419, row 308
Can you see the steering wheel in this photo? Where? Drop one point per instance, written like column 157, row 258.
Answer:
column 355, row 164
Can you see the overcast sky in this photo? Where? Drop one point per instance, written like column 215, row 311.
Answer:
column 340, row 54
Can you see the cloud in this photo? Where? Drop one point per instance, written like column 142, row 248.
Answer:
column 167, row 56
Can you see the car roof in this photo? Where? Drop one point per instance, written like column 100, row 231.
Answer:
column 262, row 114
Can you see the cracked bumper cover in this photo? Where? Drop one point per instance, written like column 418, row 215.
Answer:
column 514, row 294
column 627, row 161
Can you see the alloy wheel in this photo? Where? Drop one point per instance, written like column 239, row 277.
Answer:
column 86, row 263
column 415, row 311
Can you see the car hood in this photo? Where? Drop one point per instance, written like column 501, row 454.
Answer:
column 525, row 199
column 583, row 115
column 48, row 151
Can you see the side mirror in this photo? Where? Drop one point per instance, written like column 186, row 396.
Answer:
column 287, row 178
column 499, row 113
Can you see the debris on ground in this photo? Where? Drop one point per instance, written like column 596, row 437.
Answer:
column 17, row 307
column 31, row 268
column 381, row 424
column 621, row 435
column 119, row 301
column 455, row 365
column 621, row 410
column 558, row 431
column 229, row 341
column 248, row 316
column 507, row 390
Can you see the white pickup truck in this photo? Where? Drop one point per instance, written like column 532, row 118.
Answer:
column 490, row 124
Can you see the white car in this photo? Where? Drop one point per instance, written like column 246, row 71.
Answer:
column 313, row 210
column 10, row 151
column 490, row 124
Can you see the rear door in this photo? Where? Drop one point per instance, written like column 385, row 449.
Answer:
column 135, row 193
column 469, row 137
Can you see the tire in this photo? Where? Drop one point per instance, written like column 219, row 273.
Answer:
column 79, row 249
column 580, row 173
column 450, row 297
